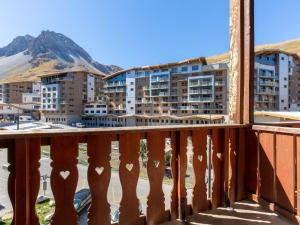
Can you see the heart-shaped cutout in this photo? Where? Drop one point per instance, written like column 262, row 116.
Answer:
column 99, row 170
column 200, row 158
column 64, row 174
column 219, row 155
column 129, row 166
column 156, row 163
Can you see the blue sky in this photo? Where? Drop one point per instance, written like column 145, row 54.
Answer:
column 143, row 32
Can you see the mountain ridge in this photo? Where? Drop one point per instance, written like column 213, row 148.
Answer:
column 28, row 57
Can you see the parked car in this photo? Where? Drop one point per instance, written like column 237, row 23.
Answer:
column 115, row 216
column 82, row 199
column 168, row 172
column 1, row 207
column 79, row 125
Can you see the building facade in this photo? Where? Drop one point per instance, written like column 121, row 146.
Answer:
column 276, row 81
column 64, row 95
column 188, row 92
column 194, row 92
column 12, row 93
column 19, row 99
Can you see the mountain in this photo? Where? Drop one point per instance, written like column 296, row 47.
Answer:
column 27, row 57
column 291, row 46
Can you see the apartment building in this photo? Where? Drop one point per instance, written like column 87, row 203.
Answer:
column 19, row 99
column 12, row 93
column 277, row 81
column 194, row 92
column 294, row 85
column 64, row 96
column 187, row 92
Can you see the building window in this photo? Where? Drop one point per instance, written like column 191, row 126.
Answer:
column 184, row 69
column 174, row 70
column 285, row 86
column 195, row 67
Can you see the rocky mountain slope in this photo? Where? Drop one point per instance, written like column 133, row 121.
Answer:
column 26, row 57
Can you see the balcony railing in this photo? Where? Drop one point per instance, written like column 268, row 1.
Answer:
column 24, row 153
column 259, row 162
column 273, row 168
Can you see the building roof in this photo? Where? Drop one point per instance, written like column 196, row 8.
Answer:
column 160, row 66
column 203, row 116
column 21, row 78
column 75, row 71
column 282, row 115
column 19, row 106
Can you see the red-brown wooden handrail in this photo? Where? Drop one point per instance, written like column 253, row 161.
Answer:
column 24, row 155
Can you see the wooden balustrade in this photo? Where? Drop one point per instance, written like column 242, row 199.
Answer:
column 24, row 153
column 273, row 169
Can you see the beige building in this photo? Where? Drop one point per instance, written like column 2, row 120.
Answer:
column 173, row 93
column 195, row 92
column 19, row 99
column 12, row 93
column 63, row 95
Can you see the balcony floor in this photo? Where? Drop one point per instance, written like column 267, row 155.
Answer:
column 244, row 213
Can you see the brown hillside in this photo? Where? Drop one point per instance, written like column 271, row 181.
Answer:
column 292, row 46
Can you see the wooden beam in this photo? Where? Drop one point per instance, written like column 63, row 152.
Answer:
column 249, row 62
column 241, row 72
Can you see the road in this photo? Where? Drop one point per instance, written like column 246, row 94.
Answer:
column 114, row 194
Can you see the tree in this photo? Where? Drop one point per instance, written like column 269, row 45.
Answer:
column 143, row 152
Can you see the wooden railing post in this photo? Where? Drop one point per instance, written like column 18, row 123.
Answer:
column 241, row 75
column 99, row 175
column 64, row 178
column 182, row 166
column 25, row 158
column 200, row 167
column 174, row 169
column 241, row 154
column 218, row 144
column 129, row 171
column 156, row 170
column 249, row 62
